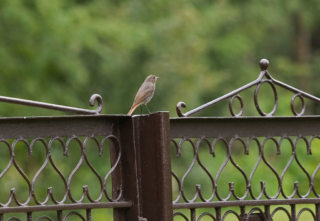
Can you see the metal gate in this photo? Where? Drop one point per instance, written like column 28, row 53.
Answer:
column 144, row 184
column 294, row 135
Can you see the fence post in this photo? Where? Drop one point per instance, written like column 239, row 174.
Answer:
column 125, row 176
column 152, row 141
column 317, row 212
column 145, row 168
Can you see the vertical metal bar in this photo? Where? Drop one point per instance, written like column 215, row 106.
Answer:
column 218, row 213
column 88, row 213
column 317, row 212
column 128, row 163
column 116, row 176
column 293, row 212
column 243, row 215
column 267, row 212
column 152, row 143
column 29, row 216
column 193, row 214
column 59, row 215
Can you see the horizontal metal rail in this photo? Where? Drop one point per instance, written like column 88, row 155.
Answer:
column 245, row 203
column 30, row 127
column 26, row 209
column 244, row 126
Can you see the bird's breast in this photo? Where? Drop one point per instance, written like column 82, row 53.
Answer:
column 149, row 97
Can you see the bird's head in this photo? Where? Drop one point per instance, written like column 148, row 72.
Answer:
column 151, row 78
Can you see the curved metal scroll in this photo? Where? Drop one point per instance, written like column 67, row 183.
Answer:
column 264, row 63
column 95, row 97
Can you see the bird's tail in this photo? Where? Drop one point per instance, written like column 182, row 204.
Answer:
column 132, row 109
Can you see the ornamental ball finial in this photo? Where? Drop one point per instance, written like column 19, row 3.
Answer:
column 264, row 63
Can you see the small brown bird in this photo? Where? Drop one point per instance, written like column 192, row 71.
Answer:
column 145, row 93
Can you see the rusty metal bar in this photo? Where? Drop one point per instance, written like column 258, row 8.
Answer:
column 246, row 203
column 152, row 142
column 95, row 97
column 128, row 179
column 88, row 214
column 317, row 208
column 27, row 209
column 293, row 212
column 30, row 127
column 267, row 212
column 59, row 215
column 244, row 127
column 218, row 213
column 243, row 214
column 29, row 216
column 193, row 214
column 117, row 174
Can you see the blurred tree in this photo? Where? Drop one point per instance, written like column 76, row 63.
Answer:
column 200, row 49
column 64, row 51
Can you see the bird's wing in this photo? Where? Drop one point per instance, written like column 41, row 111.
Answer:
column 145, row 91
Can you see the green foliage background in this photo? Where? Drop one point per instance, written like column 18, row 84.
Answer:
column 64, row 51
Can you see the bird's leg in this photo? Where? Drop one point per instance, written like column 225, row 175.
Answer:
column 147, row 108
column 141, row 109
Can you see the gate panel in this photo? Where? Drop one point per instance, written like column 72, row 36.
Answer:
column 257, row 130
column 64, row 130
column 236, row 134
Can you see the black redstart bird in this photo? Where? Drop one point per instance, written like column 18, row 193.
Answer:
column 145, row 93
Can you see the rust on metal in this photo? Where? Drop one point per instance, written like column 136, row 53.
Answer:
column 152, row 139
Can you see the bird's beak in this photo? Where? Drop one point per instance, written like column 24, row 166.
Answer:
column 157, row 77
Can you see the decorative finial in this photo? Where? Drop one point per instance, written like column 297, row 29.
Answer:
column 178, row 108
column 264, row 63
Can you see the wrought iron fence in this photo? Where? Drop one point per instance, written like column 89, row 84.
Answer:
column 60, row 131
column 142, row 182
column 288, row 134
column 138, row 160
column 205, row 135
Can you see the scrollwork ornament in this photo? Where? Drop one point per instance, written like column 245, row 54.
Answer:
column 275, row 106
column 303, row 104
column 45, row 218
column 178, row 108
column 98, row 98
column 231, row 212
column 14, row 219
column 263, row 77
column 306, row 210
column 94, row 97
column 181, row 215
column 74, row 214
column 281, row 209
column 241, row 108
column 206, row 214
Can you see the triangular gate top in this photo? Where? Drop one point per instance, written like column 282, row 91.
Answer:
column 264, row 63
